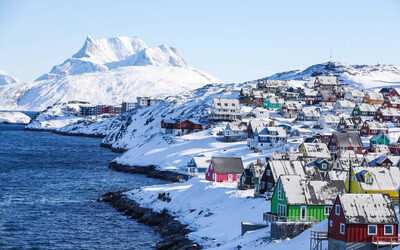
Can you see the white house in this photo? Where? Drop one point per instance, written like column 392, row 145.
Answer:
column 235, row 131
column 328, row 121
column 224, row 109
column 343, row 106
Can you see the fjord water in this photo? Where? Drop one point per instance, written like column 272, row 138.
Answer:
column 48, row 184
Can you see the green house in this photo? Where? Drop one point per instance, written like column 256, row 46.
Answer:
column 273, row 102
column 380, row 138
column 323, row 165
column 364, row 109
column 295, row 199
column 250, row 177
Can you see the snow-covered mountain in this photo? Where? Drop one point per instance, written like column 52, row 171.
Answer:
column 108, row 71
column 7, row 79
column 362, row 76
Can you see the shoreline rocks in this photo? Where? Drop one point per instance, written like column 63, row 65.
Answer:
column 173, row 233
column 150, row 171
column 65, row 133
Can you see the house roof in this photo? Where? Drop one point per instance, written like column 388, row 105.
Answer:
column 236, row 126
column 280, row 131
column 310, row 192
column 319, row 150
column 227, row 165
column 353, row 121
column 344, row 104
column 286, row 167
column 231, row 103
column 375, row 95
column 310, row 111
column 376, row 125
column 393, row 99
column 377, row 136
column 293, row 105
column 367, row 209
column 383, row 178
column 202, row 162
column 328, row 118
column 327, row 80
column 258, row 168
column 366, row 107
column 348, row 139
column 389, row 111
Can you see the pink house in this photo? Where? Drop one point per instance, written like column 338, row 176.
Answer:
column 224, row 169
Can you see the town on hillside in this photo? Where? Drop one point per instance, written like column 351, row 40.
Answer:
column 336, row 156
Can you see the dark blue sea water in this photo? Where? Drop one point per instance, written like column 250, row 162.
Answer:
column 47, row 186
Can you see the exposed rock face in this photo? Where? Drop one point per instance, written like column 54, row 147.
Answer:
column 150, row 171
column 173, row 232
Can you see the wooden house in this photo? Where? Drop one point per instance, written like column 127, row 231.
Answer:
column 180, row 128
column 235, row 131
column 387, row 115
column 304, row 200
column 275, row 168
column 198, row 165
column 373, row 98
column 391, row 102
column 309, row 96
column 343, row 106
column 394, row 92
column 268, row 137
column 364, row 109
column 345, row 141
column 328, row 121
column 225, row 109
column 349, row 124
column 380, row 160
column 326, row 82
column 380, row 138
column 315, row 150
column 358, row 220
column 224, row 169
column 372, row 180
column 290, row 109
column 354, row 95
column 250, row 177
column 373, row 128
column 273, row 102
column 326, row 97
column 309, row 114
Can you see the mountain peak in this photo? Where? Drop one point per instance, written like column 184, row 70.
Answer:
column 6, row 78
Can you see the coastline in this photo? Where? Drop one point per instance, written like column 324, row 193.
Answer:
column 65, row 133
column 174, row 233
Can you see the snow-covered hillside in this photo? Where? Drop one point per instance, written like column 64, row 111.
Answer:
column 108, row 71
column 361, row 76
column 14, row 118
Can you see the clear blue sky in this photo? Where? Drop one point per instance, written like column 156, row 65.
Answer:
column 232, row 40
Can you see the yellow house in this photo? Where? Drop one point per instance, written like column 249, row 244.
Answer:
column 315, row 150
column 373, row 98
column 372, row 180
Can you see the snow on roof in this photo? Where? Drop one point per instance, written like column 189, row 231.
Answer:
column 389, row 111
column 293, row 105
column 236, row 126
column 298, row 191
column 285, row 167
column 383, row 178
column 310, row 111
column 348, row 140
column 319, row 150
column 345, row 104
column 367, row 209
column 327, row 80
column 366, row 107
column 375, row 96
column 230, row 102
column 376, row 125
column 227, row 165
column 377, row 136
column 329, row 118
column 393, row 99
column 202, row 162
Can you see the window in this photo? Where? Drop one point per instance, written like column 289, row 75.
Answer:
column 280, row 192
column 331, row 223
column 268, row 172
column 368, row 180
column 324, row 166
column 327, row 210
column 281, row 210
column 341, row 228
column 372, row 229
column 337, row 210
column 388, row 230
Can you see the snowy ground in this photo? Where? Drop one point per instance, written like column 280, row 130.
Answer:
column 198, row 203
column 14, row 118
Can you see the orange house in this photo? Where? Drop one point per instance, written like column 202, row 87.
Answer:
column 373, row 98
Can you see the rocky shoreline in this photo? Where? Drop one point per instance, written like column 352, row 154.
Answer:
column 65, row 133
column 150, row 171
column 172, row 231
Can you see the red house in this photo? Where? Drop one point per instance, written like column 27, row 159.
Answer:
column 393, row 92
column 373, row 128
column 387, row 115
column 180, row 128
column 391, row 102
column 345, row 141
column 358, row 220
column 224, row 169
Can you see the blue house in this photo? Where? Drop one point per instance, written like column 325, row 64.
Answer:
column 268, row 137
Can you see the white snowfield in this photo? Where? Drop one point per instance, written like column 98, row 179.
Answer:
column 14, row 118
column 107, row 71
column 216, row 224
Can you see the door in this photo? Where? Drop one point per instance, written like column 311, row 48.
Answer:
column 303, row 212
column 230, row 178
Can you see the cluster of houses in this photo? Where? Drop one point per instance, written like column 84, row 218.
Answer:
column 89, row 110
column 344, row 167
